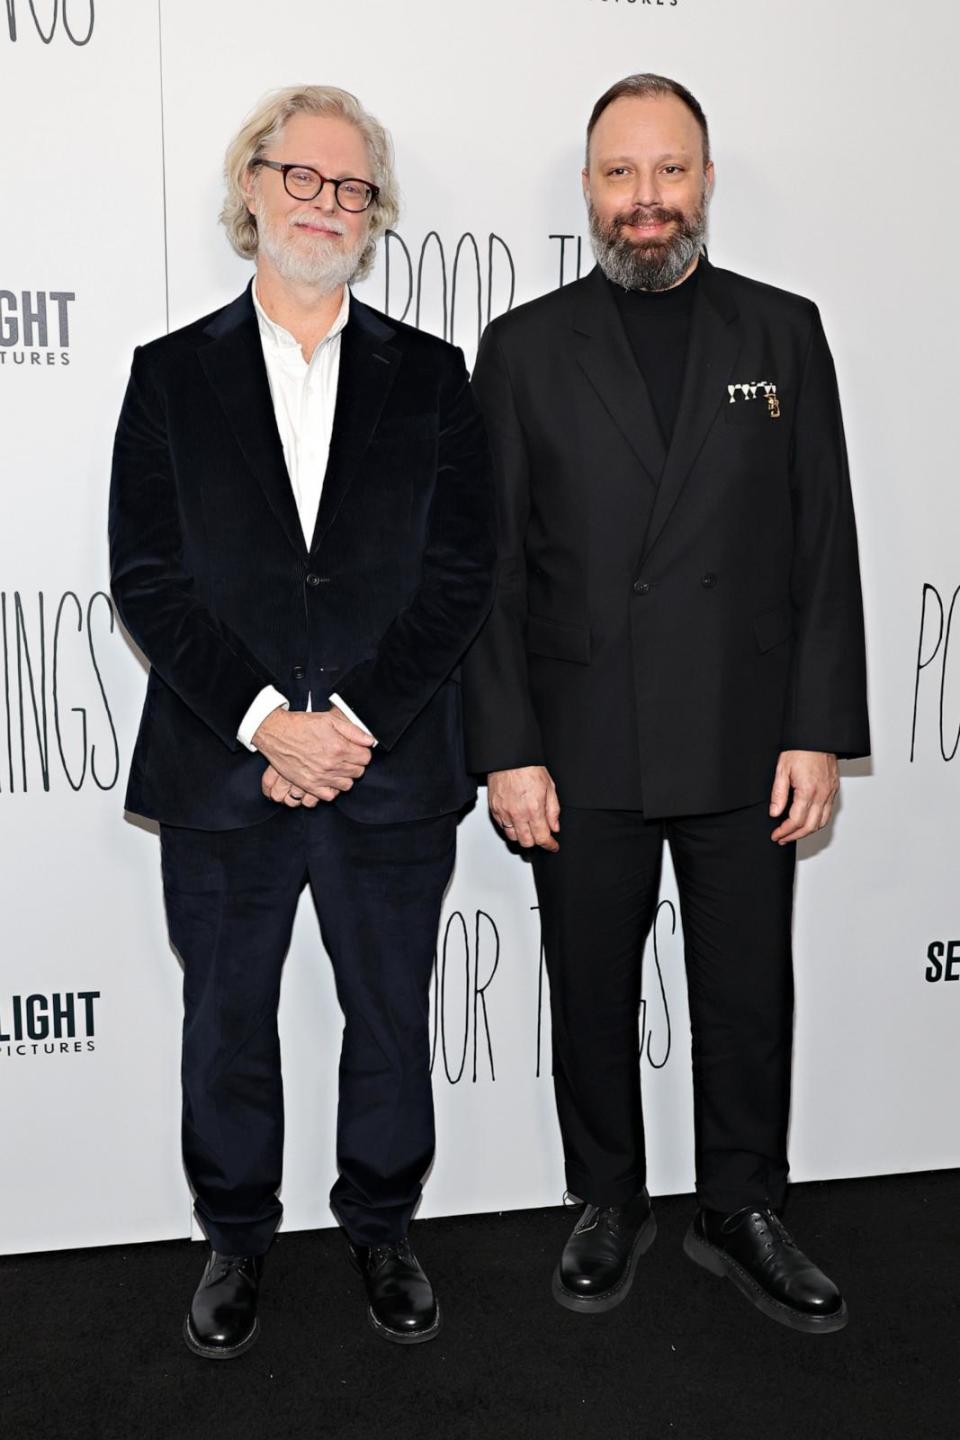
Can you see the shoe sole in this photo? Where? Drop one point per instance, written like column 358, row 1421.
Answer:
column 217, row 1352
column 718, row 1262
column 404, row 1337
column 607, row 1299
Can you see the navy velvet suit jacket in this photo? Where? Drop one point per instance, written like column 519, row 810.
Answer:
column 214, row 581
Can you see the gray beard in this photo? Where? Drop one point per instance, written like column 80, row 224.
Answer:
column 325, row 268
column 657, row 266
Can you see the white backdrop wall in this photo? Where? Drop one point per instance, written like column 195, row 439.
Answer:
column 832, row 139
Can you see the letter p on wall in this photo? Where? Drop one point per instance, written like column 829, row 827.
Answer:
column 933, row 644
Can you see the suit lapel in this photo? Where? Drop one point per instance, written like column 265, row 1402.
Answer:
column 606, row 359
column 711, row 354
column 234, row 365
column 368, row 368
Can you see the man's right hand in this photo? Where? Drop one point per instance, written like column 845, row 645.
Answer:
column 525, row 805
column 320, row 752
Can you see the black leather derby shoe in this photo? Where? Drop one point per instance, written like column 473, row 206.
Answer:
column 753, row 1248
column 222, row 1320
column 599, row 1260
column 402, row 1306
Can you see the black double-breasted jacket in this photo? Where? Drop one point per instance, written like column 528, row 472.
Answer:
column 667, row 621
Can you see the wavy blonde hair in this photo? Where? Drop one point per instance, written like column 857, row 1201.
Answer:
column 266, row 124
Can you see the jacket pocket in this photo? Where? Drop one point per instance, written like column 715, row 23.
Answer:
column 772, row 627
column 558, row 639
column 756, row 412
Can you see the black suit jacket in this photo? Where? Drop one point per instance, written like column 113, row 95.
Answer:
column 213, row 579
column 666, row 623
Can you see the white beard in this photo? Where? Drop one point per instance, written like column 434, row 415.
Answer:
column 321, row 263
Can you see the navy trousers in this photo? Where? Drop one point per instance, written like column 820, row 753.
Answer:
column 231, row 897
column 598, row 896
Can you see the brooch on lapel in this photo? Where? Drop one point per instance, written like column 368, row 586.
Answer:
column 748, row 391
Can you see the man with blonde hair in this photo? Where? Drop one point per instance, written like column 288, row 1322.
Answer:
column 302, row 545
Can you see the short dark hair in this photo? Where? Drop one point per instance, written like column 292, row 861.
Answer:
column 641, row 87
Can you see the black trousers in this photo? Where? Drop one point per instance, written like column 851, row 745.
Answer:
column 598, row 897
column 231, row 897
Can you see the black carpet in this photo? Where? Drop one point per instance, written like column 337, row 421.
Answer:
column 90, row 1345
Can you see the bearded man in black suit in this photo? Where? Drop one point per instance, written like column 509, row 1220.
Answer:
column 302, row 545
column 675, row 652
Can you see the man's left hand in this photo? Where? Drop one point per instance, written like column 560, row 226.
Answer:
column 275, row 787
column 814, row 778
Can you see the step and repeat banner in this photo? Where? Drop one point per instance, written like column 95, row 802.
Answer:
column 832, row 131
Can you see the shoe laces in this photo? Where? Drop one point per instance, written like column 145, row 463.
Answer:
column 610, row 1215
column 396, row 1249
column 779, row 1229
column 587, row 1221
column 222, row 1265
column 774, row 1229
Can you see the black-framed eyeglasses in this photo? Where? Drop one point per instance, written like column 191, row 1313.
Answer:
column 302, row 182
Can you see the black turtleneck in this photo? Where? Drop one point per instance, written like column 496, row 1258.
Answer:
column 657, row 325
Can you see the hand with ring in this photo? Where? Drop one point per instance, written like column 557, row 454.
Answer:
column 524, row 803
column 275, row 787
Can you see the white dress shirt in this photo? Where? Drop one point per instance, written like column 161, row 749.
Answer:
column 304, row 399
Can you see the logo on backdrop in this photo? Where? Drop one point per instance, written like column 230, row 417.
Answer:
column 455, row 288
column 63, row 1023
column 936, row 681
column 643, row 4
column 49, row 20
column 35, row 327
column 570, row 255
column 943, row 961
column 464, row 1012
column 52, row 682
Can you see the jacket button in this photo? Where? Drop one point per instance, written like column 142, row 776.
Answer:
column 298, row 672
column 641, row 587
column 709, row 580
column 313, row 579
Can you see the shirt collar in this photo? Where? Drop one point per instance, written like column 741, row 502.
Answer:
column 280, row 339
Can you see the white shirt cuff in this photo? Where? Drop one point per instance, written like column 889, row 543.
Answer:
column 341, row 704
column 266, row 702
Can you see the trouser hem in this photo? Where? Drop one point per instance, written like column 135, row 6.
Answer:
column 607, row 1193
column 369, row 1227
column 239, row 1239
column 725, row 1202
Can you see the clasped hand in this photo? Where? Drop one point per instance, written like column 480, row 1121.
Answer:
column 312, row 755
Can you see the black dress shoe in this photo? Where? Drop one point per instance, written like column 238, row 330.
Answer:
column 753, row 1248
column 222, row 1319
column 598, row 1262
column 402, row 1306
